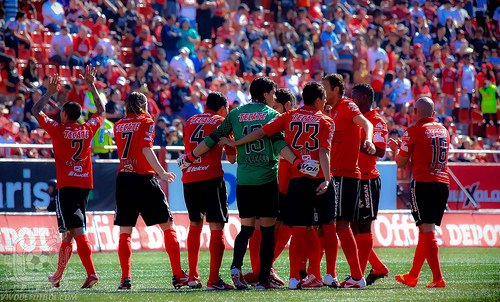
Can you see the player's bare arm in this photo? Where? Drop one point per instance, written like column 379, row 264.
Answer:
column 231, row 158
column 361, row 121
column 89, row 78
column 401, row 161
column 379, row 152
column 324, row 161
column 51, row 90
column 155, row 164
column 254, row 135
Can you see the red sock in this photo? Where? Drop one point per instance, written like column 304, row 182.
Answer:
column 285, row 232
column 364, row 242
column 313, row 252
column 350, row 251
column 304, row 254
column 65, row 252
column 124, row 253
column 85, row 253
column 254, row 247
column 432, row 255
column 193, row 246
column 375, row 261
column 295, row 251
column 173, row 251
column 331, row 245
column 322, row 246
column 419, row 258
column 216, row 254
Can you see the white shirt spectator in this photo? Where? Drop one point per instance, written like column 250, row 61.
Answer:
column 328, row 58
column 402, row 88
column 188, row 11
column 468, row 74
column 496, row 16
column 109, row 49
column 17, row 26
column 292, row 83
column 60, row 42
column 236, row 96
column 443, row 14
column 223, row 52
column 186, row 67
column 53, row 9
column 373, row 55
column 460, row 16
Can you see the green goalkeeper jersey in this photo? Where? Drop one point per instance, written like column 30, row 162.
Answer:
column 258, row 160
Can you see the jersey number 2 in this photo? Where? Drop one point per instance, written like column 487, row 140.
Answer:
column 78, row 142
column 308, row 128
column 128, row 137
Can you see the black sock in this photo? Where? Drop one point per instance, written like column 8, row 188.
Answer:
column 266, row 253
column 240, row 245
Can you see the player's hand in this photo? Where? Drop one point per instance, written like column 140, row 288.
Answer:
column 226, row 141
column 370, row 147
column 183, row 162
column 89, row 76
column 53, row 83
column 322, row 187
column 168, row 177
column 394, row 144
column 309, row 167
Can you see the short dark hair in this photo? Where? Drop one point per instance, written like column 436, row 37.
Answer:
column 259, row 86
column 313, row 91
column 73, row 110
column 216, row 100
column 366, row 90
column 335, row 80
column 285, row 95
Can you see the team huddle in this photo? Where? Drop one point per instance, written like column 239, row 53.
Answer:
column 306, row 175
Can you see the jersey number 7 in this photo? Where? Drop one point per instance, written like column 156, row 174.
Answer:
column 128, row 137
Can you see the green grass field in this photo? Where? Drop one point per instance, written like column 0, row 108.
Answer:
column 471, row 274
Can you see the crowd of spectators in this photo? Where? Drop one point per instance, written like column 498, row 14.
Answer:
column 176, row 52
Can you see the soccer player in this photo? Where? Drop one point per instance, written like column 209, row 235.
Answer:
column 308, row 132
column 205, row 191
column 138, row 192
column 257, row 184
column 426, row 143
column 344, row 167
column 363, row 96
column 72, row 153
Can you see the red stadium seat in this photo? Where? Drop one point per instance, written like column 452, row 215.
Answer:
column 476, row 116
column 64, row 72
column 10, row 52
column 77, row 71
column 298, row 64
column 41, row 71
column 21, row 67
column 50, row 70
column 249, row 77
column 275, row 77
column 24, row 54
column 463, row 116
column 491, row 132
column 47, row 37
column 37, row 54
column 37, row 38
column 273, row 63
column 127, row 55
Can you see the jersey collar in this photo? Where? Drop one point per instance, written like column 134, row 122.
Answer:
column 426, row 120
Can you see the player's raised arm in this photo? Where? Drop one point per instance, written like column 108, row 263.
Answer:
column 51, row 89
column 89, row 78
column 155, row 164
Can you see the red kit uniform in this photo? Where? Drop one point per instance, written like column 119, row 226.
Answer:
column 449, row 76
column 72, row 150
column 367, row 163
column 207, row 166
column 427, row 143
column 132, row 134
column 346, row 140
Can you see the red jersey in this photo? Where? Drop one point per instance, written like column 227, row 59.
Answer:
column 378, row 80
column 427, row 143
column 132, row 134
column 207, row 166
column 367, row 163
column 307, row 130
column 346, row 139
column 284, row 169
column 72, row 150
column 449, row 76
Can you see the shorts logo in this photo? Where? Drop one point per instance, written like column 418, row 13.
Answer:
column 78, row 168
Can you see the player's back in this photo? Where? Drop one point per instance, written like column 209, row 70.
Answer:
column 208, row 165
column 367, row 163
column 72, row 152
column 132, row 134
column 427, row 142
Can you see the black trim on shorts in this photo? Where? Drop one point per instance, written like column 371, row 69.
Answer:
column 346, row 197
column 140, row 194
column 369, row 198
column 428, row 201
column 258, row 200
column 206, row 197
column 71, row 203
column 282, row 206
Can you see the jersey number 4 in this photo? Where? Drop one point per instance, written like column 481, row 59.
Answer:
column 197, row 135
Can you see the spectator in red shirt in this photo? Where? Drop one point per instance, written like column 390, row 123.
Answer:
column 421, row 89
column 100, row 29
column 77, row 94
column 402, row 118
column 225, row 31
column 401, row 10
column 82, row 46
column 377, row 80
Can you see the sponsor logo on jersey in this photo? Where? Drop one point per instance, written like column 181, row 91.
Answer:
column 78, row 134
column 92, row 121
column 151, row 128
column 127, row 127
column 78, row 168
column 248, row 117
column 203, row 120
column 74, row 174
column 378, row 137
column 199, row 168
column 432, row 133
column 297, row 117
column 352, row 106
column 379, row 127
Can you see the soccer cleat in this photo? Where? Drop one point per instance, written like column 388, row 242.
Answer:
column 90, row 281
column 351, row 283
column 330, row 281
column 238, row 279
column 125, row 284
column 267, row 285
column 273, row 276
column 406, row 279
column 251, row 278
column 294, row 284
column 439, row 283
column 374, row 275
column 220, row 285
column 196, row 283
column 56, row 282
column 180, row 281
column 312, row 282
